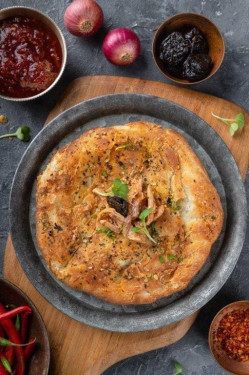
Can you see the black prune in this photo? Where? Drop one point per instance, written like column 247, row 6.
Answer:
column 174, row 49
column 175, row 71
column 197, row 41
column 119, row 204
column 197, row 67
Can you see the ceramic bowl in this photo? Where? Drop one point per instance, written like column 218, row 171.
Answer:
column 30, row 12
column 230, row 365
column 39, row 364
column 185, row 21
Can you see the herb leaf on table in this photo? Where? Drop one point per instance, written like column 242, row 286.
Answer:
column 178, row 368
column 22, row 133
column 234, row 124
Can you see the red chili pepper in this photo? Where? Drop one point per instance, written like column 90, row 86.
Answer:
column 13, row 335
column 9, row 314
column 2, row 370
column 29, row 350
column 24, row 326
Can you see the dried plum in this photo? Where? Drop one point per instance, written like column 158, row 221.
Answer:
column 175, row 71
column 119, row 204
column 197, row 41
column 197, row 67
column 174, row 49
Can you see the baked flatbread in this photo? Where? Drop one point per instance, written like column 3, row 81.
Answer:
column 90, row 198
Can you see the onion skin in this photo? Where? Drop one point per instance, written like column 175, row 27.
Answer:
column 121, row 46
column 83, row 18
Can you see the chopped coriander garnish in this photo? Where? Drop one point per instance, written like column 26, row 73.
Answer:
column 172, row 257
column 144, row 229
column 105, row 174
column 162, row 259
column 118, row 190
column 178, row 368
column 181, row 259
column 172, row 204
column 107, row 231
column 127, row 145
column 153, row 231
column 92, row 213
column 145, row 213
column 234, row 123
column 175, row 206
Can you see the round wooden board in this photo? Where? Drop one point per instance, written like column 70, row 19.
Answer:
column 82, row 350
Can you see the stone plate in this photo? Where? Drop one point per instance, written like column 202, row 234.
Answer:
column 120, row 109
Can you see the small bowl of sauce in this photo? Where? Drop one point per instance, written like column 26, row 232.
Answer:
column 32, row 53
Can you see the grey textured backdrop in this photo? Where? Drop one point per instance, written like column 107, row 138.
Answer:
column 85, row 57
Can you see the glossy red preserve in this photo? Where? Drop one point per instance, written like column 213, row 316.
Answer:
column 30, row 57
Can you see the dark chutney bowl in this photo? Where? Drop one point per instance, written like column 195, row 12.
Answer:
column 186, row 21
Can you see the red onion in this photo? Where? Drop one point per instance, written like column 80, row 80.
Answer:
column 83, row 17
column 121, row 46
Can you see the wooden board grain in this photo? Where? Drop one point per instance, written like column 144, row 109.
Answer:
column 76, row 348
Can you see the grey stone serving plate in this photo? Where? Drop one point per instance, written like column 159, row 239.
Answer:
column 116, row 110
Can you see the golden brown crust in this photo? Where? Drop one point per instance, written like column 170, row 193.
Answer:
column 120, row 269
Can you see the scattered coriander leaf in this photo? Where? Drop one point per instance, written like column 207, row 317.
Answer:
column 119, row 189
column 162, row 259
column 136, row 229
column 153, row 230
column 181, row 259
column 240, row 120
column 107, row 231
column 144, row 229
column 92, row 213
column 145, row 213
column 127, row 145
column 147, row 233
column 109, row 194
column 105, row 174
column 234, row 123
column 175, row 206
column 233, row 128
column 22, row 133
column 172, row 257
column 150, row 276
column 172, row 204
column 178, row 368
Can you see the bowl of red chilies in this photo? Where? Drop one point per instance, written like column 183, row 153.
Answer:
column 24, row 345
